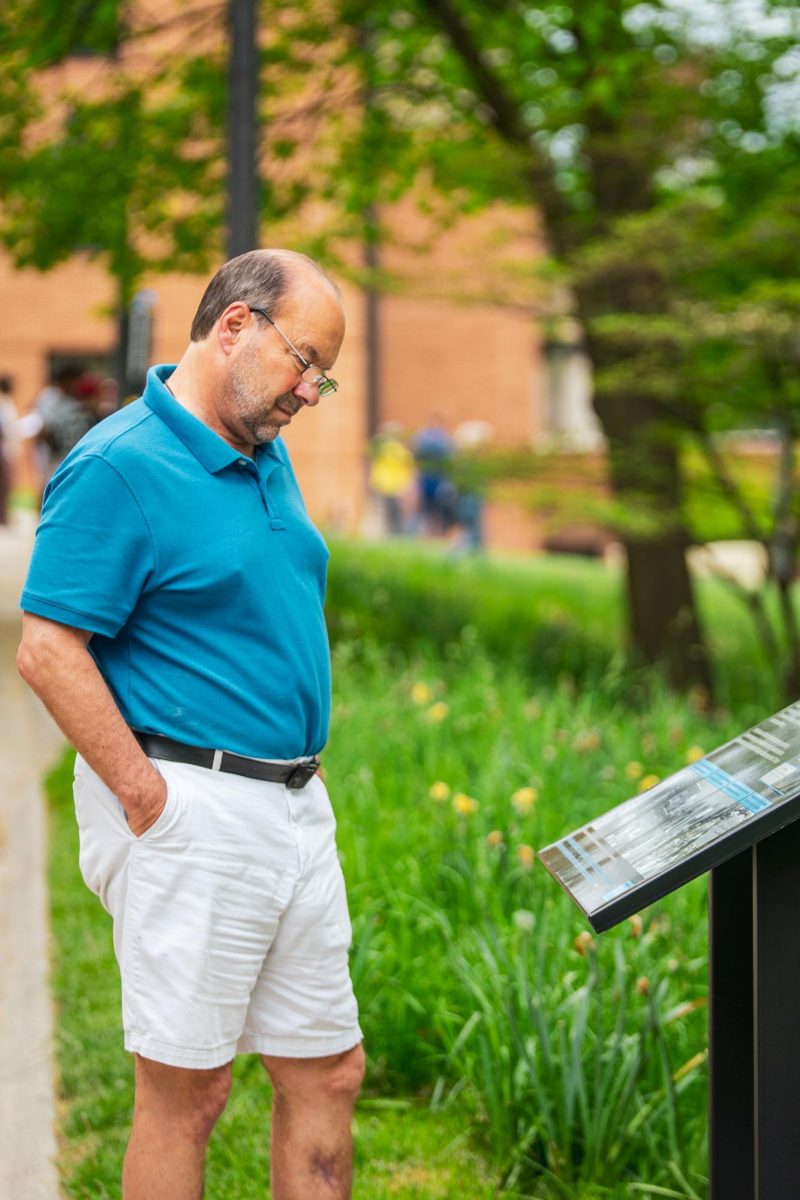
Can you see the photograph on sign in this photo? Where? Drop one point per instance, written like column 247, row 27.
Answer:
column 686, row 824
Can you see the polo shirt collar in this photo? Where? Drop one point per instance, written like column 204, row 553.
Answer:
column 210, row 450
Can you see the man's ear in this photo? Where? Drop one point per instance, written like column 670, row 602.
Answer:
column 231, row 324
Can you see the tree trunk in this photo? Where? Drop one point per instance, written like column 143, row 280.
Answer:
column 664, row 625
column 663, row 621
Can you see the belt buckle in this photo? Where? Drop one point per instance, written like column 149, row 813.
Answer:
column 301, row 774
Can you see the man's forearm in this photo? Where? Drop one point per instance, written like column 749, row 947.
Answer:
column 55, row 662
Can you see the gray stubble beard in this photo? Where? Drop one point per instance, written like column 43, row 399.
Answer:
column 261, row 430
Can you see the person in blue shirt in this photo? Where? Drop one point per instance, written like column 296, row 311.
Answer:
column 433, row 449
column 173, row 625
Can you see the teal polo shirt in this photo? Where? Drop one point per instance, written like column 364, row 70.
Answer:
column 199, row 574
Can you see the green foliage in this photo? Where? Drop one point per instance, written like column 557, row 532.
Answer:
column 49, row 33
column 126, row 167
column 379, row 592
column 543, row 616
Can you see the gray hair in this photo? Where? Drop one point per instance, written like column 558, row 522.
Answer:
column 260, row 279
column 257, row 278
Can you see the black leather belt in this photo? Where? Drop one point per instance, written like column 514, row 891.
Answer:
column 293, row 774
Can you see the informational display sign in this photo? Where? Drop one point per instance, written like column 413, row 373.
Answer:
column 685, row 825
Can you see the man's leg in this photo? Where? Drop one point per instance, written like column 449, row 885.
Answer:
column 312, row 1151
column 174, row 1112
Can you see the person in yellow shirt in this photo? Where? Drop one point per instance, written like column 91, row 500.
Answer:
column 392, row 473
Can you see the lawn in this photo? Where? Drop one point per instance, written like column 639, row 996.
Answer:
column 506, row 1046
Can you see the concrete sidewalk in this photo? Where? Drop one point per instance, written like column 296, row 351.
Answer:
column 29, row 743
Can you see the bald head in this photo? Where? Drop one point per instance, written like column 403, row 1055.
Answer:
column 260, row 279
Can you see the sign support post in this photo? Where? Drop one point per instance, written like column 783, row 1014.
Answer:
column 776, row 949
column 731, row 1049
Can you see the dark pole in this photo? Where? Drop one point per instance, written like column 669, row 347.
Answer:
column 243, row 190
column 372, row 297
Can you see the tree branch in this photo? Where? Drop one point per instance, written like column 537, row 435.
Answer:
column 505, row 118
column 729, row 486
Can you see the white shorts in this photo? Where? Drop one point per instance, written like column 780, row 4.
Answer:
column 230, row 917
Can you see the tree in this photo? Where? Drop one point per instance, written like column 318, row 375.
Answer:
column 591, row 113
column 598, row 110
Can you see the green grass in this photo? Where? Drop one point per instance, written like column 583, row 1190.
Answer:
column 505, row 1047
column 543, row 615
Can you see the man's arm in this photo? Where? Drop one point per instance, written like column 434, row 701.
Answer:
column 55, row 662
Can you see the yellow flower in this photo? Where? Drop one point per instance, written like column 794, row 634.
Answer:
column 420, row 693
column 440, row 790
column 583, row 942
column 694, row 754
column 438, row 711
column 525, row 856
column 587, row 739
column 636, row 925
column 648, row 782
column 634, row 770
column 524, row 799
column 494, row 839
column 464, row 805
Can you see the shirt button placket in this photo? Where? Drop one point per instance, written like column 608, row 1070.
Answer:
column 274, row 520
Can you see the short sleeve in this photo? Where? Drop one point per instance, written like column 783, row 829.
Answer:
column 94, row 551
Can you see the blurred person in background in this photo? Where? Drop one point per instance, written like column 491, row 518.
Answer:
column 433, row 448
column 57, row 421
column 72, row 415
column 392, row 473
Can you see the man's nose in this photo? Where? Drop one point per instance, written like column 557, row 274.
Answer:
column 307, row 392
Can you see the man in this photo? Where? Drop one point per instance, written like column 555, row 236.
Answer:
column 173, row 627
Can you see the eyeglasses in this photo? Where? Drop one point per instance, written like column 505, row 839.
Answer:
column 309, row 374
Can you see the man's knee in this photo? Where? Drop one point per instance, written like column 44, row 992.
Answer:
column 211, row 1102
column 315, row 1081
column 347, row 1076
column 193, row 1099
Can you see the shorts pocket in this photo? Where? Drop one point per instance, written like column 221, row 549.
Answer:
column 165, row 818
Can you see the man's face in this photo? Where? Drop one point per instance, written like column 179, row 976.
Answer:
column 259, row 412
column 265, row 385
